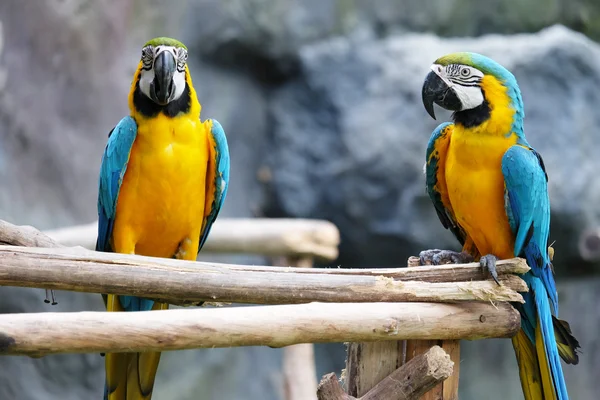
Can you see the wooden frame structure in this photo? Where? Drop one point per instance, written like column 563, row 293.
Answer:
column 400, row 322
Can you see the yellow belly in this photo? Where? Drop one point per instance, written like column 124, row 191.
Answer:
column 161, row 201
column 476, row 190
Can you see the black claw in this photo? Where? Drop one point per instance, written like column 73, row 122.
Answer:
column 489, row 262
column 437, row 257
column 50, row 294
column 54, row 302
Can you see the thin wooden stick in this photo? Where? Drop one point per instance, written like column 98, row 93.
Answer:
column 275, row 326
column 177, row 281
column 265, row 236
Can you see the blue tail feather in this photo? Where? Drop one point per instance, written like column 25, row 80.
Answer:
column 537, row 308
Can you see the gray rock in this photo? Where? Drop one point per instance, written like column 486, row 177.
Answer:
column 266, row 35
column 349, row 138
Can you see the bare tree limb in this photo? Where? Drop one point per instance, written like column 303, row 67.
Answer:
column 408, row 382
column 275, row 326
column 330, row 389
column 177, row 281
column 264, row 236
column 24, row 235
column 415, row 378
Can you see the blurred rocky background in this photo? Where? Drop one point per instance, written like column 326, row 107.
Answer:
column 321, row 104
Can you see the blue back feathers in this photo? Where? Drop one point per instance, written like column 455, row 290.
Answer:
column 221, row 183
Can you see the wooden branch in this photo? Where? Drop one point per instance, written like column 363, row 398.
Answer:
column 24, row 235
column 330, row 389
column 408, row 382
column 299, row 370
column 84, row 235
column 431, row 273
column 264, row 236
column 275, row 326
column 367, row 363
column 27, row 236
column 447, row 389
column 413, row 379
column 173, row 280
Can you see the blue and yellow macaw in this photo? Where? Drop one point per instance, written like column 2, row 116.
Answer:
column 163, row 180
column 489, row 187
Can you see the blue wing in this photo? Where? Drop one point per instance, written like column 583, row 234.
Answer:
column 435, row 180
column 112, row 170
column 218, row 174
column 528, row 209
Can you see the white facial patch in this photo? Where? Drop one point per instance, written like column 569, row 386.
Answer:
column 149, row 54
column 179, row 84
column 470, row 96
column 146, row 78
column 465, row 81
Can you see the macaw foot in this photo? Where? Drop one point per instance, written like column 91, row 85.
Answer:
column 48, row 296
column 438, row 257
column 489, row 262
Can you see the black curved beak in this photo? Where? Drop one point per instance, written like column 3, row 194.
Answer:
column 161, row 88
column 435, row 90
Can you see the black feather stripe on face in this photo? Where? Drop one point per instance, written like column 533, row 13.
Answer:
column 148, row 108
column 475, row 116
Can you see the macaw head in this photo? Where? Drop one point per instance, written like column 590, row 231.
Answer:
column 163, row 68
column 469, row 83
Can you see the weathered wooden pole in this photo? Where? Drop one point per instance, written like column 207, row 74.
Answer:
column 448, row 389
column 275, row 326
column 265, row 236
column 407, row 382
column 299, row 369
column 181, row 282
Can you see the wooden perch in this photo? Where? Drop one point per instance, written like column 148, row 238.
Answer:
column 447, row 389
column 408, row 382
column 24, row 235
column 27, row 236
column 265, row 236
column 330, row 389
column 275, row 326
column 177, row 281
column 299, row 370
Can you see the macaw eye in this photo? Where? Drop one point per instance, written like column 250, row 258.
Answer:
column 181, row 59
column 147, row 57
column 465, row 72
